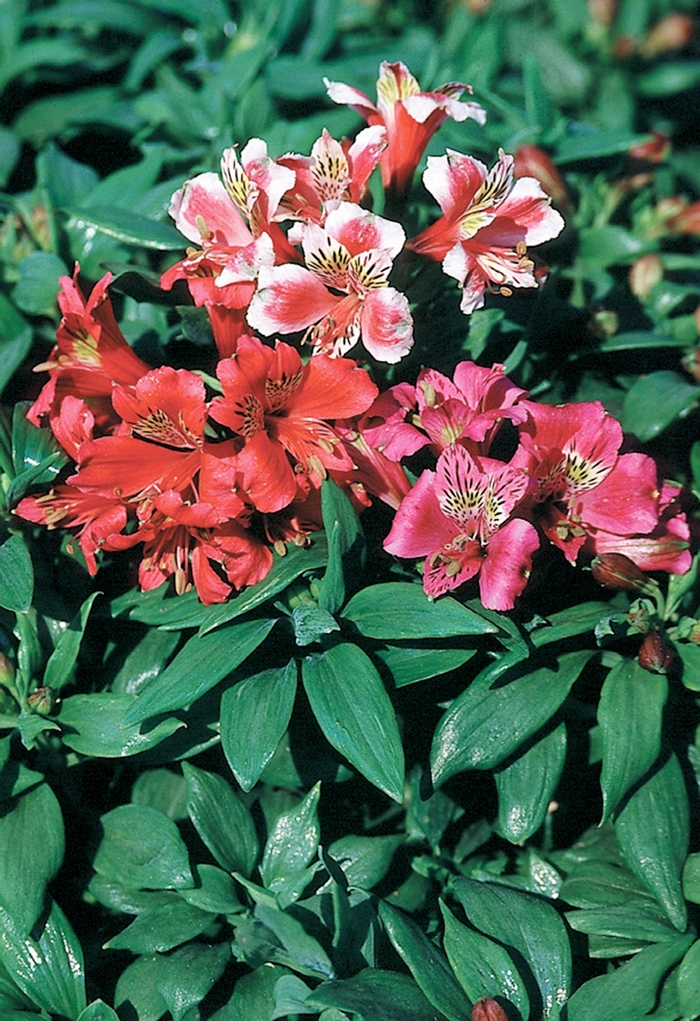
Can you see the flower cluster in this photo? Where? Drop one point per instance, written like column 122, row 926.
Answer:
column 210, row 478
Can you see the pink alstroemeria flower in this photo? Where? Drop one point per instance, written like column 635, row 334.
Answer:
column 458, row 517
column 411, row 117
column 343, row 291
column 488, row 220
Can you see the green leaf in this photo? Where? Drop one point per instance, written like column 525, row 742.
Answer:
column 653, row 829
column 345, row 545
column 629, row 992
column 221, row 819
column 689, row 981
column 188, row 974
column 35, row 291
column 94, row 725
column 127, row 226
column 36, row 456
column 143, row 849
column 486, row 723
column 59, row 668
column 609, row 245
column 638, row 341
column 16, row 574
column 596, row 883
column 15, row 340
column 397, row 610
column 670, row 78
column 311, row 623
column 292, row 842
column 355, row 713
column 49, row 969
column 31, row 852
column 253, row 995
column 364, row 860
column 98, row 1011
column 597, row 142
column 526, row 786
column 636, row 697
column 198, row 667
column 482, row 967
column 216, row 892
column 426, row 963
column 254, row 715
column 407, row 666
column 376, row 996
column 528, row 924
column 137, row 988
column 305, row 953
column 640, row 920
column 654, row 401
column 162, row 927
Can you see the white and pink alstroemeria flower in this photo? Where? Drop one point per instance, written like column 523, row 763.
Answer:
column 342, row 293
column 459, row 518
column 411, row 117
column 334, row 172
column 489, row 220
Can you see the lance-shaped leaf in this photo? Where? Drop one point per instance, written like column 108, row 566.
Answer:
column 345, row 544
column 188, row 974
column 488, row 721
column 62, row 660
column 142, row 848
column 376, row 996
column 396, row 610
column 528, row 924
column 527, row 784
column 221, row 819
column 16, row 574
column 355, row 713
column 162, row 927
column 254, row 715
column 198, row 667
column 293, row 841
column 94, row 725
column 653, row 828
column 629, row 713
column 98, row 1011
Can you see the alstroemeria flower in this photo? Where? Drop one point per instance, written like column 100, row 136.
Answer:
column 91, row 354
column 335, row 172
column 343, row 290
column 411, row 117
column 459, row 518
column 279, row 407
column 489, row 219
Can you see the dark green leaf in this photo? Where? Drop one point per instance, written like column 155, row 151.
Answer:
column 216, row 892
column 594, row 143
column 486, row 723
column 16, row 574
column 145, row 661
column 36, row 456
column 137, row 987
column 654, row 401
column 49, row 969
column 35, row 291
column 161, row 928
column 408, row 665
column 127, row 226
column 143, row 849
column 188, row 974
column 526, row 786
column 364, row 860
column 98, row 1011
column 292, row 842
column 59, row 668
column 94, row 725
column 254, row 715
column 637, row 697
column 64, row 179
column 345, row 545
column 689, row 981
column 15, row 340
column 305, row 953
column 253, row 996
column 397, row 610
column 631, row 991
column 668, row 79
column 528, row 924
column 311, row 623
column 483, row 967
column 198, row 667
column 376, row 996
column 355, row 713
column 653, row 830
column 639, row 920
column 638, row 341
column 426, row 963
column 221, row 819
column 31, row 852
column 609, row 245
column 595, row 883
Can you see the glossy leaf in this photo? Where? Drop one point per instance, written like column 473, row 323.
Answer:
column 137, row 987
column 376, row 996
column 16, row 334
column 653, row 829
column 488, row 721
column 95, row 725
column 31, row 853
column 215, row 892
column 221, row 819
column 162, row 927
column 98, row 1010
column 355, row 713
column 306, row 953
column 16, row 574
column 528, row 924
column 426, row 963
column 596, row 884
column 127, row 226
column 143, row 849
column 629, row 713
column 35, row 291
column 689, row 981
column 345, row 545
column 397, row 610
column 526, row 786
column 642, row 920
column 255, row 714
column 188, row 974
column 60, row 665
column 364, row 860
column 198, row 667
column 407, row 666
column 293, row 841
column 654, row 401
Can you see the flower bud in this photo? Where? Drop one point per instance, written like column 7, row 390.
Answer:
column 7, row 671
column 644, row 274
column 686, row 220
column 671, row 33
column 654, row 655
column 616, row 571
column 42, row 701
column 487, row 1009
column 531, row 161
column 654, row 151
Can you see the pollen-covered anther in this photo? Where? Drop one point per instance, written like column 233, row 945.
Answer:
column 521, row 248
column 204, row 232
column 279, row 547
column 317, row 466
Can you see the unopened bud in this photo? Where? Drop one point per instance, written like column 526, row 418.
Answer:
column 531, row 161
column 7, row 671
column 616, row 571
column 671, row 33
column 654, row 655
column 646, row 272
column 686, row 220
column 42, row 701
column 654, row 151
column 487, row 1009
column 602, row 12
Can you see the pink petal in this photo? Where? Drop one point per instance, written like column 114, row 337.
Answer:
column 508, row 563
column 345, row 94
column 387, row 325
column 453, row 180
column 626, row 501
column 289, row 298
column 364, row 155
column 266, row 474
column 419, row 526
column 529, row 207
column 359, row 230
column 204, row 202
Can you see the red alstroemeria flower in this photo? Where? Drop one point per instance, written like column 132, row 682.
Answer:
column 488, row 221
column 582, row 482
column 91, row 354
column 335, row 172
column 411, row 117
column 343, row 291
column 458, row 517
column 279, row 407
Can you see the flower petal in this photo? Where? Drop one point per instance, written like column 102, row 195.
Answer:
column 506, row 569
column 289, row 298
column 386, row 324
